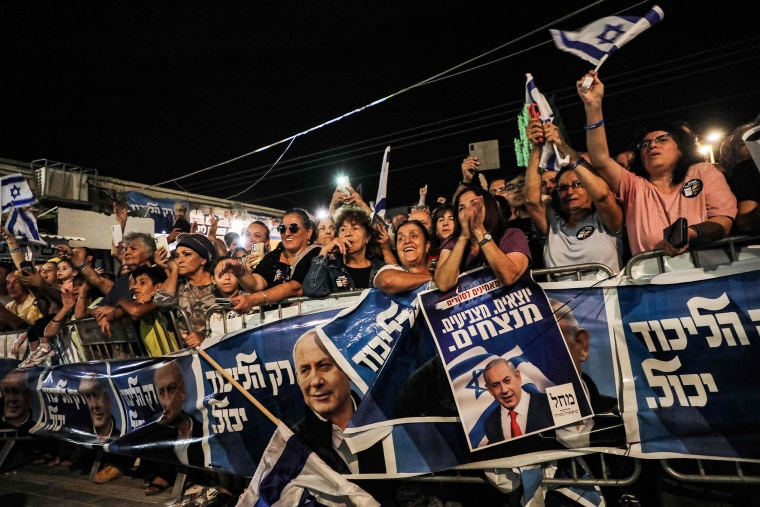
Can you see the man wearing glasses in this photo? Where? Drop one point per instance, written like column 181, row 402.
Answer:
column 509, row 185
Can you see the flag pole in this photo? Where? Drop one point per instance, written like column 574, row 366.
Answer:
column 587, row 82
column 239, row 387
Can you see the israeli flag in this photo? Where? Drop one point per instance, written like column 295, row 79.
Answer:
column 15, row 192
column 599, row 39
column 550, row 157
column 382, row 188
column 291, row 475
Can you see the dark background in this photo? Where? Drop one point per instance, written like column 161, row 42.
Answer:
column 151, row 93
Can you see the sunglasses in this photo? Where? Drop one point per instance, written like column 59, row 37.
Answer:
column 293, row 228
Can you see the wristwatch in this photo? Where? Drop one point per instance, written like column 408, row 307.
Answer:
column 486, row 238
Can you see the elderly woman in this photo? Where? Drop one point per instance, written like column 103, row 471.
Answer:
column 325, row 231
column 667, row 180
column 348, row 261
column 481, row 238
column 583, row 222
column 280, row 274
column 412, row 247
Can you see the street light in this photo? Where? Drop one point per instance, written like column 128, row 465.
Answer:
column 712, row 138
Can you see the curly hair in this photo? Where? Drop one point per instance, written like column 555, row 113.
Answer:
column 683, row 137
column 358, row 216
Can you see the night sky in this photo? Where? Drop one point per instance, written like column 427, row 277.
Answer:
column 148, row 92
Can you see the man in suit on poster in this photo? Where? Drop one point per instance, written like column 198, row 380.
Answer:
column 519, row 412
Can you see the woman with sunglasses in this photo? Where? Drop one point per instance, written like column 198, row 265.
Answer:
column 481, row 238
column 667, row 180
column 583, row 222
column 349, row 261
column 280, row 274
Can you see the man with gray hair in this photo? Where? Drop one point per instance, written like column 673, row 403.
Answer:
column 139, row 248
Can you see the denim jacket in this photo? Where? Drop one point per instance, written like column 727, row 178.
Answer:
column 323, row 275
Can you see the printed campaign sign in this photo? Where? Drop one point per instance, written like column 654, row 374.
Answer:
column 480, row 321
column 693, row 350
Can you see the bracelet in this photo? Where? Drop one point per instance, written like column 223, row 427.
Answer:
column 15, row 250
column 577, row 163
column 58, row 321
column 266, row 299
column 80, row 268
column 698, row 239
column 594, row 125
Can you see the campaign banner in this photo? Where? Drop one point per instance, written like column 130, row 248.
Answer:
column 481, row 327
column 363, row 336
column 693, row 350
column 160, row 210
column 669, row 369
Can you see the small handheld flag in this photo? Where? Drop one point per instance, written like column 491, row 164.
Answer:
column 596, row 41
column 550, row 156
column 382, row 188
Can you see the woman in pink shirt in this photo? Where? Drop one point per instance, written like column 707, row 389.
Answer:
column 667, row 180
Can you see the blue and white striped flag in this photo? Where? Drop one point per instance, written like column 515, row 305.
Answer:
column 16, row 197
column 382, row 188
column 599, row 39
column 550, row 156
column 15, row 192
column 23, row 224
column 290, row 474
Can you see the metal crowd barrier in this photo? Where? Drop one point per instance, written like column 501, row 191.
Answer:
column 712, row 471
column 6, row 343
column 726, row 250
column 574, row 269
column 156, row 334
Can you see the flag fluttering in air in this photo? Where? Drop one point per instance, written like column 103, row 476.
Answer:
column 550, row 156
column 599, row 39
column 16, row 197
column 382, row 188
column 292, row 475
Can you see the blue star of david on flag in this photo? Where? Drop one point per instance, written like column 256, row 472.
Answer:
column 599, row 39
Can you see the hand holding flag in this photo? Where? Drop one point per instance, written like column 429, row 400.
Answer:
column 550, row 156
column 16, row 197
column 596, row 41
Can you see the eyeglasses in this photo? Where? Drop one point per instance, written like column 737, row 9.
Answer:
column 514, row 187
column 293, row 228
column 573, row 185
column 646, row 143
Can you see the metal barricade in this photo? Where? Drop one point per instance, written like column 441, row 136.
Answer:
column 220, row 320
column 712, row 471
column 573, row 269
column 7, row 338
column 155, row 334
column 726, row 250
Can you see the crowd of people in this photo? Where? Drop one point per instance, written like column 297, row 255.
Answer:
column 601, row 208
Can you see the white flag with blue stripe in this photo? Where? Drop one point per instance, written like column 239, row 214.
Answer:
column 15, row 192
column 290, row 474
column 16, row 197
column 382, row 188
column 550, row 156
column 599, row 39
